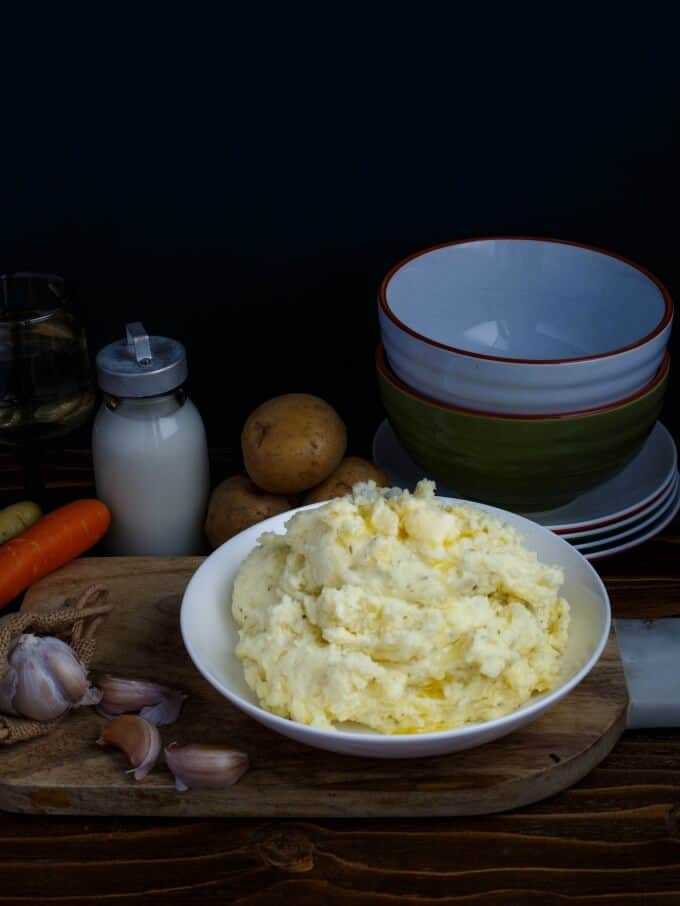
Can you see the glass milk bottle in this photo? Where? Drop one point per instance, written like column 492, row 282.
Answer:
column 149, row 448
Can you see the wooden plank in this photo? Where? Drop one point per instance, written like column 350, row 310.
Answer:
column 66, row 773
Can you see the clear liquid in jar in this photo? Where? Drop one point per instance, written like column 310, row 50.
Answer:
column 45, row 384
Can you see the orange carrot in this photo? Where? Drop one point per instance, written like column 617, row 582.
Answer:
column 53, row 541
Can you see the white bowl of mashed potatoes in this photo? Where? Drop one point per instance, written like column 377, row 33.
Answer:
column 395, row 625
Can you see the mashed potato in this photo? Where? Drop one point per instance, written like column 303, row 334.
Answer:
column 398, row 612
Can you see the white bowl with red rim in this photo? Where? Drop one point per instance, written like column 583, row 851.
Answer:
column 523, row 326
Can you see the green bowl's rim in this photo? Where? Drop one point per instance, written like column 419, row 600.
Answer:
column 390, row 377
column 660, row 327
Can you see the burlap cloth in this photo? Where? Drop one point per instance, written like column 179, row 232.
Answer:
column 76, row 621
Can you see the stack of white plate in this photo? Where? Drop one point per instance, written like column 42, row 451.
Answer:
column 614, row 517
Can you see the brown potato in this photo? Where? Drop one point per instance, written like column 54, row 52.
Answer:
column 236, row 504
column 292, row 443
column 347, row 474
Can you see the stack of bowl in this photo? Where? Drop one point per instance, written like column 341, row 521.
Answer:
column 522, row 372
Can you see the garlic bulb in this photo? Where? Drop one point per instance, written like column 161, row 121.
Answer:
column 44, row 679
column 160, row 705
column 135, row 736
column 205, row 767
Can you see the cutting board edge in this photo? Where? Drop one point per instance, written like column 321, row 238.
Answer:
column 18, row 799
column 41, row 800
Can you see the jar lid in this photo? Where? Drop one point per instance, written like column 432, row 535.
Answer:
column 141, row 365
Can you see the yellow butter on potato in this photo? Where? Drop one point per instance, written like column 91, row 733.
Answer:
column 398, row 612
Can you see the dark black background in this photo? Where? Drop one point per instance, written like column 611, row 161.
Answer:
column 242, row 178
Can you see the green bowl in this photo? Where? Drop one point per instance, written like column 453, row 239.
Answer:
column 518, row 461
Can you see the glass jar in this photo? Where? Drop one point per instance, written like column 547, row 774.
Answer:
column 46, row 386
column 150, row 450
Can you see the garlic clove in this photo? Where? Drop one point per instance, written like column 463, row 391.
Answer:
column 158, row 704
column 205, row 767
column 135, row 736
column 123, row 694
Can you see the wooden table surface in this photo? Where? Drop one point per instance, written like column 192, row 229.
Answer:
column 612, row 839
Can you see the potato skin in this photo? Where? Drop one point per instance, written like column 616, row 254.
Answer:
column 16, row 518
column 341, row 482
column 292, row 443
column 236, row 504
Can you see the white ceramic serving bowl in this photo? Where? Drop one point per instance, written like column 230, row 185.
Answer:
column 523, row 326
column 210, row 636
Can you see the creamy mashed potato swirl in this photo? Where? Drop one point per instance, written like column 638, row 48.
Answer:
column 398, row 612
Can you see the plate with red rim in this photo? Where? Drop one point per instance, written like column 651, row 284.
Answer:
column 617, row 535
column 638, row 487
column 633, row 541
column 630, row 523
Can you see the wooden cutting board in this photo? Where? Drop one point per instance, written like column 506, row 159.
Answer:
column 67, row 773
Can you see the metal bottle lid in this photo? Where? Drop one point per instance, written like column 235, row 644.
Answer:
column 140, row 365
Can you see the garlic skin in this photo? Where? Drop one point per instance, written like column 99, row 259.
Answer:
column 44, row 679
column 135, row 736
column 205, row 767
column 166, row 711
column 160, row 705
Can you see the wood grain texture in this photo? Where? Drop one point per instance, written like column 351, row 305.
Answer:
column 612, row 839
column 67, row 773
